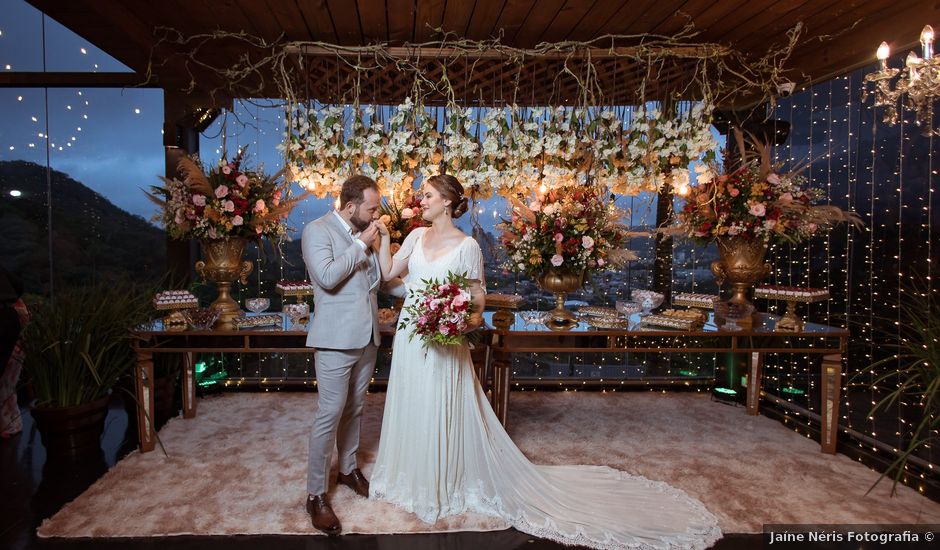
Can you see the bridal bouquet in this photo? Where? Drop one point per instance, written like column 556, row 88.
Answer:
column 440, row 312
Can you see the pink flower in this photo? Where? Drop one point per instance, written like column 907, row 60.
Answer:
column 557, row 260
column 228, row 206
column 786, row 197
column 259, row 206
column 735, row 191
column 812, row 227
column 559, row 237
column 758, row 209
column 237, row 220
column 773, row 179
column 226, row 169
column 277, row 199
column 179, row 217
column 221, row 191
column 242, row 180
column 587, row 242
column 199, row 200
column 460, row 300
column 407, row 213
column 213, row 234
column 601, row 262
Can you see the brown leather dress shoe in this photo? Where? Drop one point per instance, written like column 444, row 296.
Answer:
column 322, row 515
column 355, row 481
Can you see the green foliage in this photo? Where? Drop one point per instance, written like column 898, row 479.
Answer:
column 911, row 374
column 78, row 346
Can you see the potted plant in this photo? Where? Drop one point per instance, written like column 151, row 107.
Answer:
column 77, row 349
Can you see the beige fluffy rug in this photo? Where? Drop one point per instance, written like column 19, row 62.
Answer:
column 240, row 466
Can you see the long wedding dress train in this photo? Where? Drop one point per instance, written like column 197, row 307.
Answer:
column 443, row 452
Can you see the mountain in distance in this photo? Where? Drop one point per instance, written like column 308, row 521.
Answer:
column 93, row 240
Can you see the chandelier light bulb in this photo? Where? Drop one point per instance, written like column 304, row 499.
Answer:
column 884, row 51
column 926, row 40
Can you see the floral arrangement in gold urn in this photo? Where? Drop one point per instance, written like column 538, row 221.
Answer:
column 751, row 206
column 563, row 235
column 223, row 206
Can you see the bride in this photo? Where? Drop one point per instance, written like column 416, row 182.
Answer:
column 443, row 452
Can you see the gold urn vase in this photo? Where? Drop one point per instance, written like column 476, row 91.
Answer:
column 222, row 264
column 561, row 282
column 742, row 263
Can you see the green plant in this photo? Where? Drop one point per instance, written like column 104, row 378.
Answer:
column 911, row 374
column 78, row 345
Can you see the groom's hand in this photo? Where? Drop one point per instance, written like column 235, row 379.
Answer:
column 368, row 235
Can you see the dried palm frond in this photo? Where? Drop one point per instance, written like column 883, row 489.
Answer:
column 620, row 256
column 193, row 176
column 824, row 216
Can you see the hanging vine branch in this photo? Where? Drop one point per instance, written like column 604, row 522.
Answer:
column 442, row 71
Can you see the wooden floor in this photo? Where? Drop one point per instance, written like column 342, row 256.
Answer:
column 33, row 489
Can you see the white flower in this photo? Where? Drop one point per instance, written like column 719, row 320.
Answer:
column 587, row 242
column 237, row 220
column 557, row 260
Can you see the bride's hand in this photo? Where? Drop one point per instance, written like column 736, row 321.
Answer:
column 383, row 230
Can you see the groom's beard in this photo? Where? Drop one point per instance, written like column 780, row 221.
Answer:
column 360, row 224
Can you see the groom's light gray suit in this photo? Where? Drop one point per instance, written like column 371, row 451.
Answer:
column 345, row 331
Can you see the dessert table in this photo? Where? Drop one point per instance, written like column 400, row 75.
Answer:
column 518, row 337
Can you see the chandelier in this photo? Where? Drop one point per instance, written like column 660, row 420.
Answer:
column 918, row 84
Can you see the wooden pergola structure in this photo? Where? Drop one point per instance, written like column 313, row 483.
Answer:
column 837, row 36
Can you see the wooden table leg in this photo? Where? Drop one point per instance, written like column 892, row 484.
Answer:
column 189, row 385
column 754, row 375
column 143, row 372
column 501, row 376
column 831, row 390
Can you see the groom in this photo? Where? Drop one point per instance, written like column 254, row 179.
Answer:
column 345, row 273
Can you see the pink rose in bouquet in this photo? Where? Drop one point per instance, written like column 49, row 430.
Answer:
column 440, row 311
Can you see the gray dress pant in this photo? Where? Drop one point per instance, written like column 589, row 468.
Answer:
column 342, row 380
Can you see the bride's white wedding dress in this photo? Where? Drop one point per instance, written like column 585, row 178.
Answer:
column 443, row 452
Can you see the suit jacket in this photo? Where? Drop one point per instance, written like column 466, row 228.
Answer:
column 344, row 277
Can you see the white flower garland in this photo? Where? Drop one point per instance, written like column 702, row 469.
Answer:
column 509, row 150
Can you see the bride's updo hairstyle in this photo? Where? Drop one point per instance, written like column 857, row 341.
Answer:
column 451, row 190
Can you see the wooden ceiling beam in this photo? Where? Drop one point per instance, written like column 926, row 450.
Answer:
column 496, row 54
